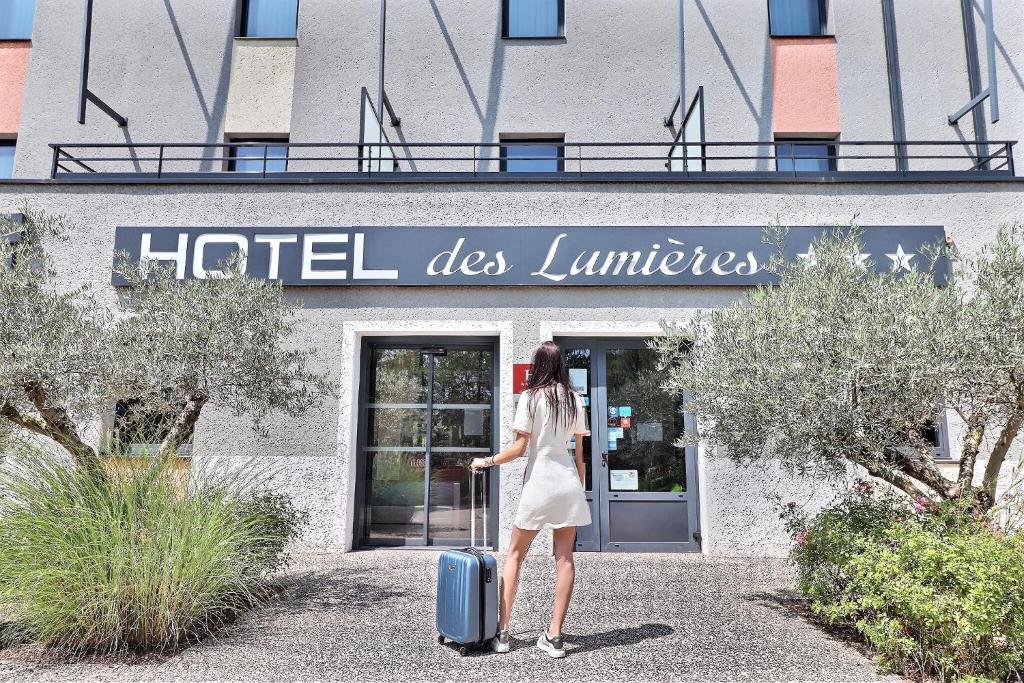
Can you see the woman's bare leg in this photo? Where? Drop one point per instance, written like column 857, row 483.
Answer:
column 517, row 548
column 565, row 576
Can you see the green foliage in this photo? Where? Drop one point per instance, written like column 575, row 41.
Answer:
column 139, row 563
column 838, row 364
column 941, row 603
column 937, row 590
column 170, row 347
column 225, row 339
column 827, row 542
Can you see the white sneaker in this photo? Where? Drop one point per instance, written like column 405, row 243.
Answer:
column 552, row 646
column 501, row 642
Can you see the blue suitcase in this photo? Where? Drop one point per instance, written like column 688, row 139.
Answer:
column 467, row 591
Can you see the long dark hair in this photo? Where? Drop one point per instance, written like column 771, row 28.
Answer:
column 548, row 372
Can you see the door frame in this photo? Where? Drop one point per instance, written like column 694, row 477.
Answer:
column 601, row 494
column 412, row 341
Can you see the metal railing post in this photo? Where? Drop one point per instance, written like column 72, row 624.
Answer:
column 1009, row 157
column 160, row 163
column 265, row 148
column 792, row 156
column 474, row 161
column 56, row 161
column 579, row 160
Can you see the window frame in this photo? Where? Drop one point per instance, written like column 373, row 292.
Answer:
column 506, row 142
column 243, row 21
column 13, row 144
column 831, row 150
column 120, row 439
column 232, row 144
column 941, row 451
column 31, row 27
column 506, row 6
column 822, row 23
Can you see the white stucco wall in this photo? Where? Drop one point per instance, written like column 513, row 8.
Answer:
column 313, row 453
column 260, row 94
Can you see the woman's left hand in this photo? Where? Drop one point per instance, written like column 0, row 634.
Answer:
column 478, row 464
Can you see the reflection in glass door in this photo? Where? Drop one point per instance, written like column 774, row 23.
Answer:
column 642, row 487
column 426, row 412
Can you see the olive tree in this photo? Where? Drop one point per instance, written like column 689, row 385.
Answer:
column 170, row 347
column 839, row 364
column 221, row 340
column 55, row 361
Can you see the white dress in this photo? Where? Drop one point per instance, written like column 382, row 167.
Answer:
column 553, row 496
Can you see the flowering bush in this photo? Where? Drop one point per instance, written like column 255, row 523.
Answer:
column 826, row 542
column 936, row 588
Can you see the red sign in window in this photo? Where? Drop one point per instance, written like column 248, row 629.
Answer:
column 520, row 373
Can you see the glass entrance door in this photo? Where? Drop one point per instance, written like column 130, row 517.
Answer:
column 426, row 411
column 642, row 488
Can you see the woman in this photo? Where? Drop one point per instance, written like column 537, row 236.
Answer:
column 548, row 415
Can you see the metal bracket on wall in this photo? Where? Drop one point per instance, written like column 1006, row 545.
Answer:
column 992, row 91
column 396, row 121
column 84, row 94
column 670, row 119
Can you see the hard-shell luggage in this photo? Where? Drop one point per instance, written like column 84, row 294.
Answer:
column 467, row 589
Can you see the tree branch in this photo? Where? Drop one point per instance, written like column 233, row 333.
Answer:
column 969, row 450
column 923, row 469
column 999, row 451
column 901, row 482
column 26, row 422
column 183, row 426
column 55, row 424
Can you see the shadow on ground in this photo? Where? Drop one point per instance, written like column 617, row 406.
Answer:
column 338, row 589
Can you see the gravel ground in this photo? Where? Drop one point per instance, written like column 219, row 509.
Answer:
column 368, row 616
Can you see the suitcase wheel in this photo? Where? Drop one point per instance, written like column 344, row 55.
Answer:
column 440, row 639
column 462, row 651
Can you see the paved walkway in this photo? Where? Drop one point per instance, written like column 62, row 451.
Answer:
column 368, row 616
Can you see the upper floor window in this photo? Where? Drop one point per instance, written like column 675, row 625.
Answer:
column 16, row 18
column 6, row 158
column 805, row 157
column 797, row 17
column 269, row 155
column 270, row 18
column 533, row 19
column 537, row 155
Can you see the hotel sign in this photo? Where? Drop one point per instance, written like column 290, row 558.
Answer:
column 511, row 255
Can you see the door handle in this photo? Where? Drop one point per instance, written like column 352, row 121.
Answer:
column 604, row 459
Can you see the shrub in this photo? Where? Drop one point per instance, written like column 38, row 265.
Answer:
column 138, row 563
column 827, row 542
column 945, row 604
column 936, row 589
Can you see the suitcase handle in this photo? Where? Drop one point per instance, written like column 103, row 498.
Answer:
column 472, row 506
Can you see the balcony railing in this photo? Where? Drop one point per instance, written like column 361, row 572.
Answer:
column 656, row 161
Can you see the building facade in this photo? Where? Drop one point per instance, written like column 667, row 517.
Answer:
column 445, row 183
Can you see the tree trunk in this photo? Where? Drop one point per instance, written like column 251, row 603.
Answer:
column 998, row 455
column 55, row 423
column 922, row 468
column 891, row 476
column 182, row 428
column 969, row 451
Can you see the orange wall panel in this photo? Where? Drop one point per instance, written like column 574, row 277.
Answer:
column 805, row 86
column 13, row 67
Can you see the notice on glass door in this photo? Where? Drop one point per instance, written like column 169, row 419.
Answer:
column 624, row 480
column 473, row 422
column 649, row 431
column 578, row 379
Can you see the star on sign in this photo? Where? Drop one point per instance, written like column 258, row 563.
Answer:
column 809, row 256
column 901, row 259
column 860, row 259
